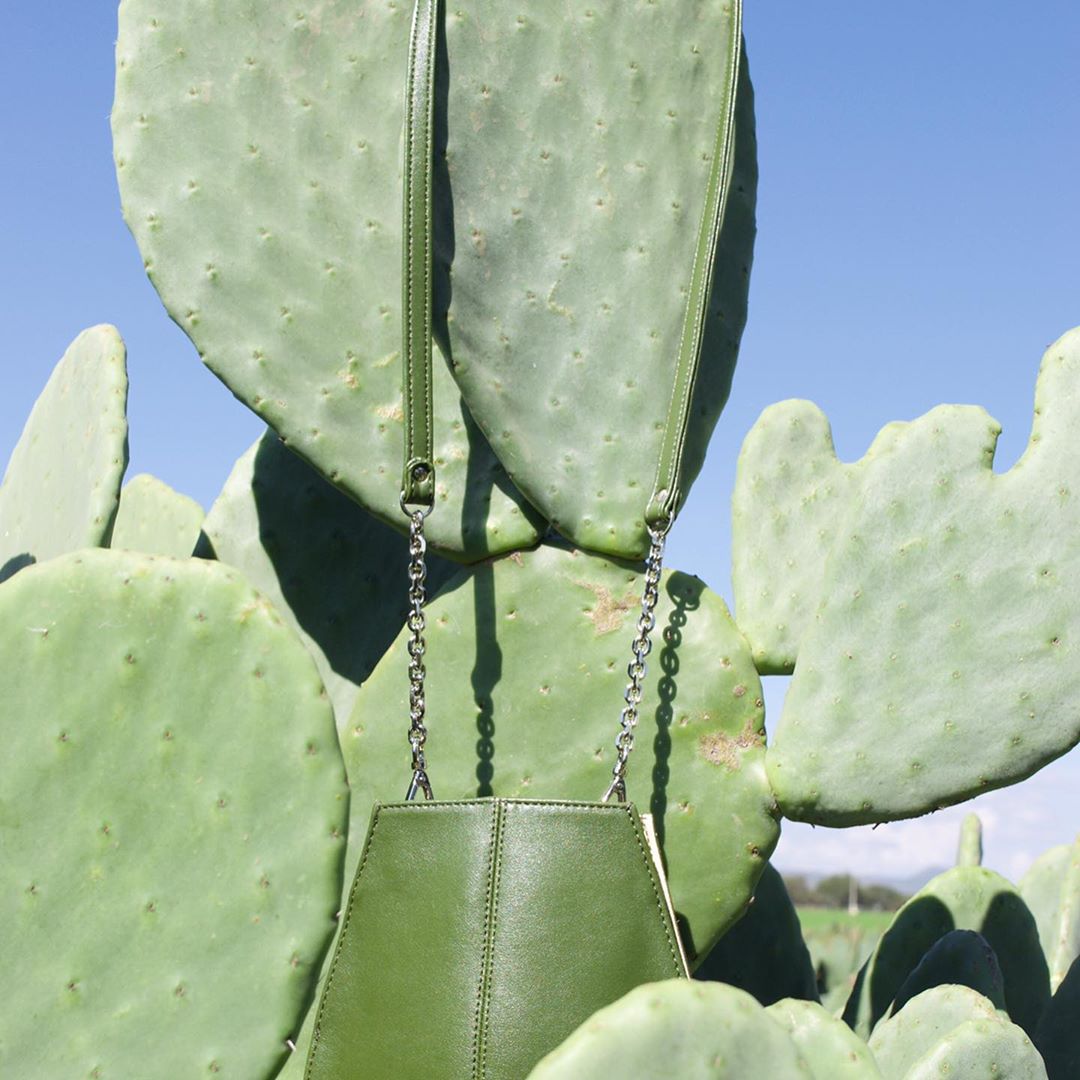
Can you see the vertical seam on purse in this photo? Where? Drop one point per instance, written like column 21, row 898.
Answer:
column 491, row 900
column 661, row 906
column 317, row 1029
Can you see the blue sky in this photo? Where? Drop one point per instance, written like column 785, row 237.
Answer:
column 919, row 231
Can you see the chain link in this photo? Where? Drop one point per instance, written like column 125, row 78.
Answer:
column 642, row 646
column 416, row 623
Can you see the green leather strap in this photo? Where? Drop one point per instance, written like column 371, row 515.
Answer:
column 418, row 480
column 666, row 496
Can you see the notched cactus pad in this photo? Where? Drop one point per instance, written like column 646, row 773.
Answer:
column 172, row 817
column 62, row 484
column 258, row 153
column 943, row 658
column 526, row 663
column 692, row 1030
column 831, row 1049
column 336, row 574
column 155, row 519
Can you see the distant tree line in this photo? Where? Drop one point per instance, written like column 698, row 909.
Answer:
column 835, row 892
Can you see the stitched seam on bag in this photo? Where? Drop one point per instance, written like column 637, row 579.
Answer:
column 317, row 1030
column 479, row 1048
column 660, row 905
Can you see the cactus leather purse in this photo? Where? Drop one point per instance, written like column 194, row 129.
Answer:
column 478, row 934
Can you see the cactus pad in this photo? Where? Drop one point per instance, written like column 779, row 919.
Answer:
column 791, row 493
column 692, row 1030
column 593, row 186
column 963, row 898
column 156, row 520
column 172, row 817
column 526, row 662
column 764, row 952
column 925, row 1025
column 1051, row 888
column 62, row 484
column 336, row 574
column 942, row 660
column 958, row 958
column 257, row 150
column 831, row 1049
column 992, row 1048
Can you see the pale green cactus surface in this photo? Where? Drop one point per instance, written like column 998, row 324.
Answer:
column 62, row 485
column 942, row 660
column 566, row 354
column 258, row 155
column 992, row 1048
column 1051, row 888
column 173, row 802
column 692, row 1030
column 831, row 1049
column 155, row 519
column 969, row 851
column 336, row 574
column 963, row 898
column 951, row 1031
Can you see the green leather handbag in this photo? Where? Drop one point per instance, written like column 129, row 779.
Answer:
column 479, row 933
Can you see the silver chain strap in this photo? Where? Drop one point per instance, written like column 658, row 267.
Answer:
column 642, row 646
column 416, row 623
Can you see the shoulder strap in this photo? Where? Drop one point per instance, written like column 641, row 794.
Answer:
column 418, row 480
column 666, row 495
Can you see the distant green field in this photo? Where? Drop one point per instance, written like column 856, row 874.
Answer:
column 816, row 920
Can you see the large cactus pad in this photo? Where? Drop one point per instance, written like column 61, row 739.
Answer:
column 257, row 148
column 942, row 659
column 62, row 486
column 172, row 817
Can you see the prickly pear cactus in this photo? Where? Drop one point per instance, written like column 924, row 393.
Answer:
column 831, row 1049
column 172, row 817
column 791, row 493
column 62, row 484
column 970, row 849
column 764, row 952
column 1051, row 888
column 336, row 574
column 953, row 1031
column 993, row 1048
column 964, row 898
column 606, row 259
column 692, row 1030
column 156, row 520
column 958, row 958
column 257, row 151
column 947, row 618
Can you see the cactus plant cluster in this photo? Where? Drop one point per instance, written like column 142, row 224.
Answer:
column 958, row 985
column 201, row 710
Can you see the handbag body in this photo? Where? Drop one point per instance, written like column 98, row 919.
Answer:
column 478, row 934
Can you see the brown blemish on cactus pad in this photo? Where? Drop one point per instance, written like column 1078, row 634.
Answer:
column 608, row 614
column 719, row 748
